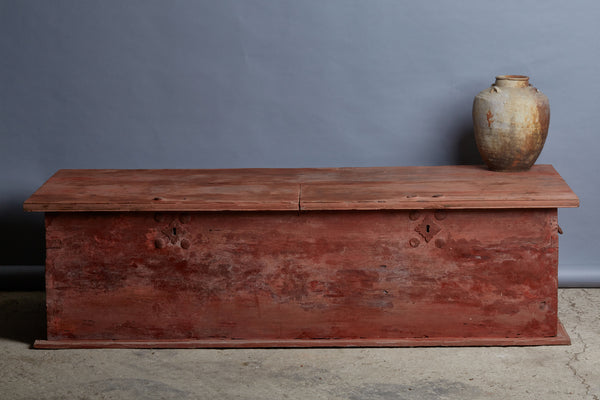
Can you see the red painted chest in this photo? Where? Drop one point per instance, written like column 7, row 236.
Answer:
column 398, row 256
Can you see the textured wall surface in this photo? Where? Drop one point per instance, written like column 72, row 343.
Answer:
column 283, row 83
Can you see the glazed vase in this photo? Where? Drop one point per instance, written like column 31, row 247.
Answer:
column 510, row 121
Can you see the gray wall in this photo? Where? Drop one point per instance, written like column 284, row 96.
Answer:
column 285, row 83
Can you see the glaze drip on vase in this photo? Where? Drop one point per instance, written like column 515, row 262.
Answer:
column 510, row 120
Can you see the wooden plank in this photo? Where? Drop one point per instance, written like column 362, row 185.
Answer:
column 561, row 338
column 449, row 187
column 264, row 276
column 165, row 190
column 378, row 188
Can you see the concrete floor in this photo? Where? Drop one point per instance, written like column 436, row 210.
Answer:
column 547, row 372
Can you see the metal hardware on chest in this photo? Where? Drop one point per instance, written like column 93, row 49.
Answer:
column 174, row 233
column 427, row 228
column 440, row 215
column 414, row 215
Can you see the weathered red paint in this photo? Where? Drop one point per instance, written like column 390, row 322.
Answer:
column 343, row 275
column 300, row 189
column 328, row 277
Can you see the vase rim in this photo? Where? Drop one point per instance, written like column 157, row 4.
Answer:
column 513, row 77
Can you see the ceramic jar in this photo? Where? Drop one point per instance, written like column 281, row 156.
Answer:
column 511, row 120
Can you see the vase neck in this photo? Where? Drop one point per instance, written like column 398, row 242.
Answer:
column 515, row 81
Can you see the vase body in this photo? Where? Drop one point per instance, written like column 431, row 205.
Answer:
column 510, row 121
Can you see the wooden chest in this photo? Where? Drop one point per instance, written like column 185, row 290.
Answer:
column 399, row 256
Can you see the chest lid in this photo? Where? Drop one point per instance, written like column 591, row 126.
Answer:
column 299, row 189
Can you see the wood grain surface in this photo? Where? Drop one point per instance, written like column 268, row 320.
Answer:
column 377, row 188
